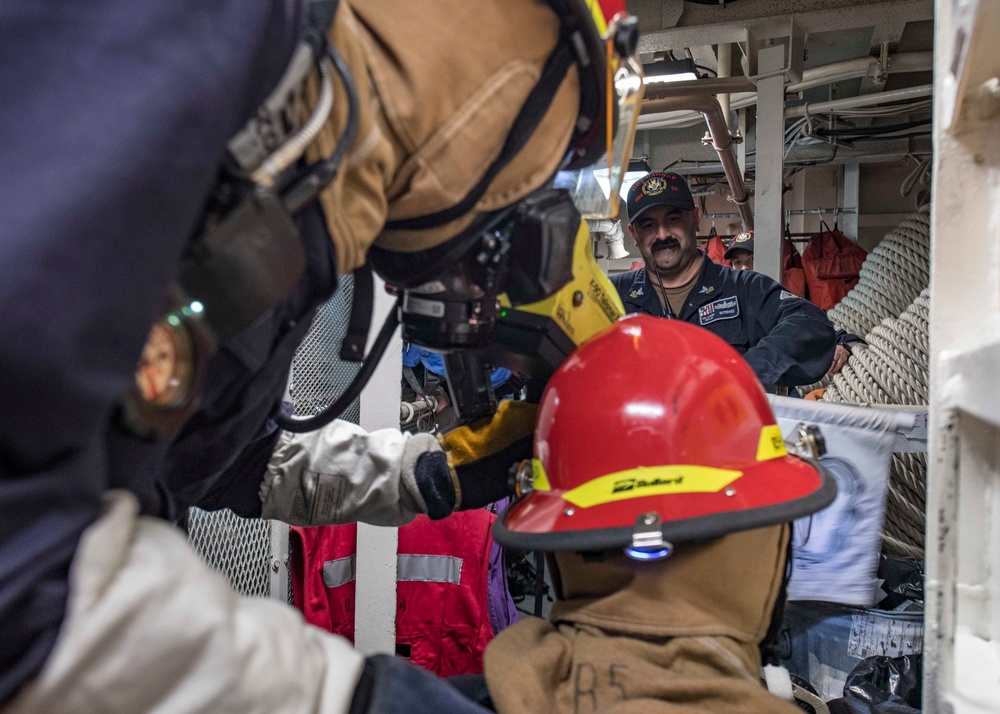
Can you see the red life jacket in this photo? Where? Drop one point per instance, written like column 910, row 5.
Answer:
column 442, row 617
column 832, row 263
column 793, row 277
column 715, row 248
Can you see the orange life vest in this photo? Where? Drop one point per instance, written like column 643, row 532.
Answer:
column 832, row 263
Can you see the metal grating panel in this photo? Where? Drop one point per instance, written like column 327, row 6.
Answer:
column 253, row 553
column 239, row 548
column 319, row 376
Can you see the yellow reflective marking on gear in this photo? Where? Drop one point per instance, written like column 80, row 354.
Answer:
column 771, row 444
column 650, row 481
column 539, row 481
column 600, row 305
column 597, row 12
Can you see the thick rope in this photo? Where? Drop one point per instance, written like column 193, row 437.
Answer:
column 893, row 275
column 890, row 307
column 893, row 370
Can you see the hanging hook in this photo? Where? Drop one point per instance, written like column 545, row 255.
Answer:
column 823, row 226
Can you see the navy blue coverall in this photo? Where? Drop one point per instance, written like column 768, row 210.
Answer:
column 114, row 124
column 787, row 340
column 115, row 120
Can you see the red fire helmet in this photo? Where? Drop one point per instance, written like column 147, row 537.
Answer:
column 656, row 432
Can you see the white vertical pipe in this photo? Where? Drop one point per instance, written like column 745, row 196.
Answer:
column 375, row 603
column 851, row 189
column 725, row 55
column 741, row 148
column 768, row 228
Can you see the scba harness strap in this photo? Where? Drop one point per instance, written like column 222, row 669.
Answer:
column 249, row 257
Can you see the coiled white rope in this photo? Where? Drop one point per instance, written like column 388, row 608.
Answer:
column 893, row 274
column 893, row 370
column 890, row 307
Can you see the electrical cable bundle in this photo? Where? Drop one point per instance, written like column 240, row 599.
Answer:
column 817, row 127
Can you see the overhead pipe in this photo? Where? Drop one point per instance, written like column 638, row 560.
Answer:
column 722, row 140
column 858, row 67
column 863, row 100
column 812, row 77
column 704, row 169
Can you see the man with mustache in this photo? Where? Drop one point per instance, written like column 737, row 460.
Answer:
column 787, row 340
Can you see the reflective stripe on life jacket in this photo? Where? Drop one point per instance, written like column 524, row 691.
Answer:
column 442, row 567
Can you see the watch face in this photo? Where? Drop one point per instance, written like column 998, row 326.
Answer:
column 165, row 368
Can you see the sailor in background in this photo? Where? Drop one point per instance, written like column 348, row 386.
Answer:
column 786, row 340
column 740, row 256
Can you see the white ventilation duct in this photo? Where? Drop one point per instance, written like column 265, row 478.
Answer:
column 611, row 233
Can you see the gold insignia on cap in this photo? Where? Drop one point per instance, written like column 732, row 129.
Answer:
column 743, row 237
column 654, row 186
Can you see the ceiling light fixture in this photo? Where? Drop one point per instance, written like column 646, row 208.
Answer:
column 637, row 168
column 669, row 71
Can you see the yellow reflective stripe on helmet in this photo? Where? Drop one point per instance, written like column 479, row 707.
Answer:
column 771, row 444
column 650, row 481
column 539, row 481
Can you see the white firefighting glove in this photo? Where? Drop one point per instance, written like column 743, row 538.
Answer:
column 343, row 474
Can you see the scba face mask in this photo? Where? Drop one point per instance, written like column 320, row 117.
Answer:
column 524, row 297
column 526, row 256
column 472, row 312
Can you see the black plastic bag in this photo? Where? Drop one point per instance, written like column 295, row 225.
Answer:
column 882, row 685
column 903, row 583
column 894, row 705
